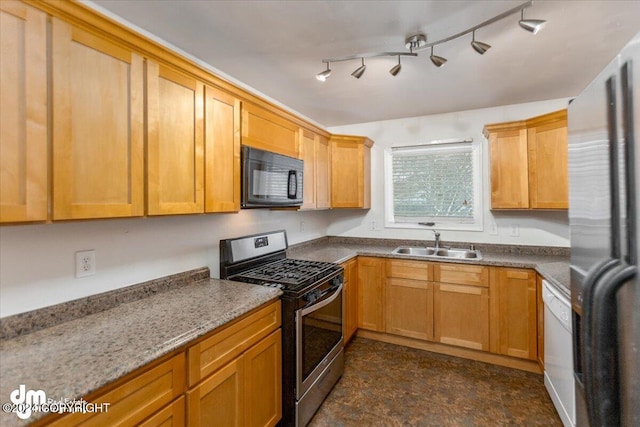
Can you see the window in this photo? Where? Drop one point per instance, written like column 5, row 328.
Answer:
column 437, row 182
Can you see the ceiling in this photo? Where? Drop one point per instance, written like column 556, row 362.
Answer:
column 277, row 47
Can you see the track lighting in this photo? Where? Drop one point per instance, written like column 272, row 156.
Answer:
column 479, row 47
column 360, row 70
column 532, row 25
column 396, row 68
column 417, row 42
column 322, row 76
column 438, row 61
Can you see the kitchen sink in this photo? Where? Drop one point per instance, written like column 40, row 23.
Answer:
column 441, row 253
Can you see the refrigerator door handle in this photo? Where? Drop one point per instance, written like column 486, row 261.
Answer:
column 626, row 83
column 603, row 400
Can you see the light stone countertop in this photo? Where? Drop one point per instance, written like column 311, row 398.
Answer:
column 77, row 357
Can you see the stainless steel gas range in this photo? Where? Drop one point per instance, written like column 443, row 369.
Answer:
column 312, row 316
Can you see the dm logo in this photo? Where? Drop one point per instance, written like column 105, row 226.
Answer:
column 25, row 400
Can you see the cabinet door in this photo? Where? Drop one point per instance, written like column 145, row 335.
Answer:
column 175, row 174
column 171, row 416
column 513, row 312
column 461, row 315
column 409, row 308
column 548, row 170
column 268, row 131
column 218, row 400
column 350, row 172
column 222, row 151
column 323, row 171
column 97, row 115
column 509, row 176
column 308, row 151
column 350, row 299
column 23, row 113
column 370, row 293
column 263, row 382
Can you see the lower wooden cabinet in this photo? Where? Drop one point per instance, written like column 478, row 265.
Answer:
column 235, row 379
column 245, row 392
column 461, row 315
column 350, row 295
column 513, row 313
column 409, row 308
column 371, row 293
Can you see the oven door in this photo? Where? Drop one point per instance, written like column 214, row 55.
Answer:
column 270, row 179
column 318, row 336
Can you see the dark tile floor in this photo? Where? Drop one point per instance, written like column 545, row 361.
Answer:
column 389, row 385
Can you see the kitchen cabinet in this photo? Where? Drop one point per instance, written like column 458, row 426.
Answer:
column 350, row 171
column 268, row 131
column 23, row 113
column 222, row 151
column 137, row 397
column 409, row 299
column 514, row 314
column 371, row 272
column 315, row 154
column 529, row 163
column 350, row 299
column 97, row 126
column 235, row 375
column 172, row 415
column 461, row 305
column 175, row 143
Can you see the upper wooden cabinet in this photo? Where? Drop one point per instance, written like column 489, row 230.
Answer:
column 175, row 143
column 98, row 126
column 222, row 151
column 513, row 313
column 315, row 154
column 268, row 131
column 350, row 171
column 23, row 113
column 529, row 163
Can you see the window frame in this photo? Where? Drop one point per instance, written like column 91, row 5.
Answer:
column 441, row 223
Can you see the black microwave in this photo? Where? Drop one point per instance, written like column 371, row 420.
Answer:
column 270, row 179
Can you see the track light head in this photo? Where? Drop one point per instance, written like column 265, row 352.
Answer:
column 359, row 71
column 531, row 25
column 396, row 68
column 324, row 75
column 438, row 61
column 479, row 47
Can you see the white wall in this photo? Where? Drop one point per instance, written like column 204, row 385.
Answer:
column 535, row 228
column 37, row 262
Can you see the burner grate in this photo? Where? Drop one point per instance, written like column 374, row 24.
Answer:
column 292, row 273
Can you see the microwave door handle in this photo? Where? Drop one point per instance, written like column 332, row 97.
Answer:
column 292, row 185
column 629, row 160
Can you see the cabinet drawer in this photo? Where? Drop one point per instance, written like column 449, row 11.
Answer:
column 136, row 399
column 402, row 269
column 215, row 351
column 171, row 416
column 472, row 275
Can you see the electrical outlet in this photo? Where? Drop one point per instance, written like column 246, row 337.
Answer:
column 493, row 229
column 373, row 225
column 302, row 226
column 85, row 263
column 514, row 231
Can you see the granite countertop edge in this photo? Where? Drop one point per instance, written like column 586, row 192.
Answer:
column 78, row 357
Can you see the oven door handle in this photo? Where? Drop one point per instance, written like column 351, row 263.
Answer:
column 324, row 302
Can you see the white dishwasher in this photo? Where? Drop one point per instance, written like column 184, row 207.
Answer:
column 558, row 353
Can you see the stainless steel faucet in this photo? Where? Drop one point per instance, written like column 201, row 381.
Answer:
column 437, row 239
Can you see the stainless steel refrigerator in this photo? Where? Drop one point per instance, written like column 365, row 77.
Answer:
column 604, row 159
